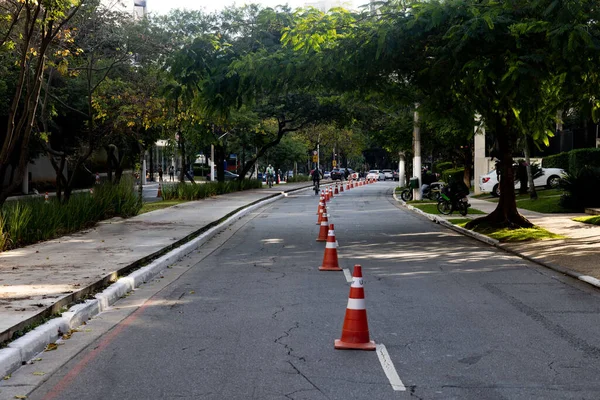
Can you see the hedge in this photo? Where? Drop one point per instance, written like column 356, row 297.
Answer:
column 574, row 160
column 453, row 175
column 584, row 158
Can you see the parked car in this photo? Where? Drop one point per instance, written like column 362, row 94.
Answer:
column 549, row 177
column 326, row 174
column 340, row 174
column 376, row 174
column 387, row 174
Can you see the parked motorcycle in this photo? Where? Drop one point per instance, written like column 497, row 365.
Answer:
column 452, row 199
column 432, row 192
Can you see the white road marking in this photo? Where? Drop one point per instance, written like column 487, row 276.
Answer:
column 348, row 275
column 388, row 368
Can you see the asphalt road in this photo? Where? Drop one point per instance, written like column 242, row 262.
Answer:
column 249, row 316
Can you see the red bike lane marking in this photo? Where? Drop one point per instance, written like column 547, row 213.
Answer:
column 106, row 340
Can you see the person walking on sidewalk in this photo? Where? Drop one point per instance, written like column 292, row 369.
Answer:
column 160, row 173
column 171, row 173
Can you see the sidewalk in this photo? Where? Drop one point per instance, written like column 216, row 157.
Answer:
column 38, row 280
column 579, row 252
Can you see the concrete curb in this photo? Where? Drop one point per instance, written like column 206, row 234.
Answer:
column 23, row 349
column 493, row 242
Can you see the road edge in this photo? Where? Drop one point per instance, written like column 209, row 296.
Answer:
column 493, row 242
column 23, row 349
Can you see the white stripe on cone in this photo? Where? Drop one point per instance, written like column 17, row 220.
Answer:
column 356, row 304
column 357, row 282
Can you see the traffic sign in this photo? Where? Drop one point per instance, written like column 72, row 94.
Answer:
column 315, row 158
column 334, row 163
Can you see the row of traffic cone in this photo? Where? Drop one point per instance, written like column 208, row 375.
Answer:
column 355, row 330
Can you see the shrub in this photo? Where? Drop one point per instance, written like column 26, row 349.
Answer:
column 30, row 221
column 299, row 178
column 184, row 191
column 442, row 166
column 560, row 160
column 573, row 160
column 582, row 189
column 581, row 158
column 453, row 175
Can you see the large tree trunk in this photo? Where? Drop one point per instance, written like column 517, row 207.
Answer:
column 506, row 214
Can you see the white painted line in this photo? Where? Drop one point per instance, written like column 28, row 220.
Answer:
column 388, row 368
column 348, row 275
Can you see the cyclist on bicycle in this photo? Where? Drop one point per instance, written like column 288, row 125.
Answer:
column 316, row 176
column 270, row 175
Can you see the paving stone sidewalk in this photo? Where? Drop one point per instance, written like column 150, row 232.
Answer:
column 579, row 252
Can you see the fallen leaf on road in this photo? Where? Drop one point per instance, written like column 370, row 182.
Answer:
column 192, row 292
column 66, row 336
column 7, row 377
column 37, row 359
column 20, row 397
column 39, row 373
column 51, row 346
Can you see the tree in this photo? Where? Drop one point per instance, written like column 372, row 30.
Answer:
column 499, row 58
column 29, row 30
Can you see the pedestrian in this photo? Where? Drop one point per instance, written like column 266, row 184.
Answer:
column 160, row 173
column 171, row 173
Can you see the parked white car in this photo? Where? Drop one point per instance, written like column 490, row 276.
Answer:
column 376, row 174
column 549, row 178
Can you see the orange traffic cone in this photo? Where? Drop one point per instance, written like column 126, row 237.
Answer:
column 321, row 214
column 330, row 192
column 330, row 259
column 323, row 230
column 321, row 202
column 336, row 191
column 355, row 333
column 342, row 187
column 46, row 197
column 159, row 194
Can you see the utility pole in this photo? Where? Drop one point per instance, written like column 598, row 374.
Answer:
column 417, row 156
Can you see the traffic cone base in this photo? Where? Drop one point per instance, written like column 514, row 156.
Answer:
column 159, row 194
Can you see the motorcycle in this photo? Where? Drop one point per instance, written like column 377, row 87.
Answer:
column 432, row 192
column 453, row 199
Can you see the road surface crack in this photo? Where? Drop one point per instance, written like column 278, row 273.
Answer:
column 286, row 346
column 307, row 380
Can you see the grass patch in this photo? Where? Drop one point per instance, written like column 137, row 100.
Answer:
column 517, row 235
column 183, row 191
column 421, row 202
column 591, row 219
column 507, row 235
column 431, row 208
column 547, row 202
column 159, row 205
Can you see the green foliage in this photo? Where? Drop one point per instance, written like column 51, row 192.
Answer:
column 582, row 189
column 574, row 160
column 30, row 221
column 453, row 175
column 591, row 219
column 299, row 178
column 183, row 191
column 560, row 160
column 442, row 166
column 582, row 158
